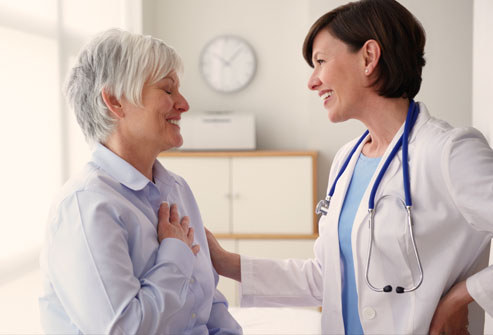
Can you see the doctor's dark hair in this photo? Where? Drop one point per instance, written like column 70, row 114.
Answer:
column 120, row 63
column 399, row 34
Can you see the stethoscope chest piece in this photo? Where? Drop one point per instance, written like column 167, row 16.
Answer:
column 323, row 206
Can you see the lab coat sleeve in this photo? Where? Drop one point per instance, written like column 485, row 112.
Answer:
column 468, row 170
column 92, row 272
column 290, row 282
column 220, row 320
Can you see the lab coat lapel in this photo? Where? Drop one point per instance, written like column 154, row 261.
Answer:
column 333, row 307
column 343, row 183
column 360, row 231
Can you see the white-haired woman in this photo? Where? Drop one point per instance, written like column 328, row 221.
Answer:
column 118, row 258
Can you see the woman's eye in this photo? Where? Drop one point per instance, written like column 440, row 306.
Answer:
column 320, row 61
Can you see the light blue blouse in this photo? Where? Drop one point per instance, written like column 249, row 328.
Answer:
column 104, row 270
column 363, row 172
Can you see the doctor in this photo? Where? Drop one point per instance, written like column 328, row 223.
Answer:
column 367, row 59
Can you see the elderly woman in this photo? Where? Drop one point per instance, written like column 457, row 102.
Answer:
column 409, row 208
column 118, row 258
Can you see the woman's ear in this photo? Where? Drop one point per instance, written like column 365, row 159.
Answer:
column 371, row 54
column 113, row 105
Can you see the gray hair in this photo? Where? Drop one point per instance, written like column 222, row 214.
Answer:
column 120, row 63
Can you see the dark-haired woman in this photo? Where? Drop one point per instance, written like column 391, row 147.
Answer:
column 409, row 208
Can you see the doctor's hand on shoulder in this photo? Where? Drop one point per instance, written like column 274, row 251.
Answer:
column 170, row 226
column 227, row 264
column 451, row 315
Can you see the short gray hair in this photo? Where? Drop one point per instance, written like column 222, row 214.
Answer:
column 120, row 63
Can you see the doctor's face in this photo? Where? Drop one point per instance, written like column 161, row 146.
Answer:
column 155, row 125
column 338, row 76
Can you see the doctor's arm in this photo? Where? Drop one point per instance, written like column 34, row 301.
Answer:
column 468, row 164
column 269, row 282
column 451, row 314
column 93, row 274
column 220, row 320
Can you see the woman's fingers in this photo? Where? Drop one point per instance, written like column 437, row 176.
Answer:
column 174, row 217
column 170, row 225
column 190, row 235
column 185, row 224
column 164, row 212
column 195, row 249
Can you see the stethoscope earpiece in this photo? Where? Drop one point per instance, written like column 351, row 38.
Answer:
column 387, row 289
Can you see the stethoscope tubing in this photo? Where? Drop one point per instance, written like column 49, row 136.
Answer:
column 403, row 142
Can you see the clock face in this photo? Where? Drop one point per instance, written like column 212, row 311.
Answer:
column 228, row 63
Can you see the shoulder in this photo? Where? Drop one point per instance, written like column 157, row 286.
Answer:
column 438, row 136
column 91, row 190
column 91, row 179
column 432, row 127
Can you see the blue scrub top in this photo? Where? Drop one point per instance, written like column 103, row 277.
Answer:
column 363, row 172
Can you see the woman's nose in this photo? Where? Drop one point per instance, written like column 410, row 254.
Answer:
column 182, row 104
column 313, row 82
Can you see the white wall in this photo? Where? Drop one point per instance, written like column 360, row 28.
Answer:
column 483, row 70
column 288, row 115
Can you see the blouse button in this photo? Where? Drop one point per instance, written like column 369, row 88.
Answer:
column 194, row 315
column 369, row 313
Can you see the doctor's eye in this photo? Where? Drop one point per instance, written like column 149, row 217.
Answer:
column 319, row 61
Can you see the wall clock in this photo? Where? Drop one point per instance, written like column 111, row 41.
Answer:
column 228, row 63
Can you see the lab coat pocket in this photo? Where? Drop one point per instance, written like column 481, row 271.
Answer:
column 392, row 244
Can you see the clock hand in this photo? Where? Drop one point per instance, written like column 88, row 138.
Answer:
column 230, row 59
column 224, row 61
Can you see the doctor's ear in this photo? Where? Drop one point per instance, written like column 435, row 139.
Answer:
column 113, row 104
column 371, row 54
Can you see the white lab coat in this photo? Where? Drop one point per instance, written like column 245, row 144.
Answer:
column 451, row 177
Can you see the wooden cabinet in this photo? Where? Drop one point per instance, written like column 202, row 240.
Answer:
column 259, row 192
column 257, row 203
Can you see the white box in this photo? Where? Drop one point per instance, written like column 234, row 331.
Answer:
column 218, row 131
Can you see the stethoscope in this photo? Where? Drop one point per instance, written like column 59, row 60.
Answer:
column 323, row 205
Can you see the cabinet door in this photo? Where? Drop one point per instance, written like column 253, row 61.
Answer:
column 272, row 195
column 209, row 180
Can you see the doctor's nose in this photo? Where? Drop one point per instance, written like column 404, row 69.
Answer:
column 314, row 82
